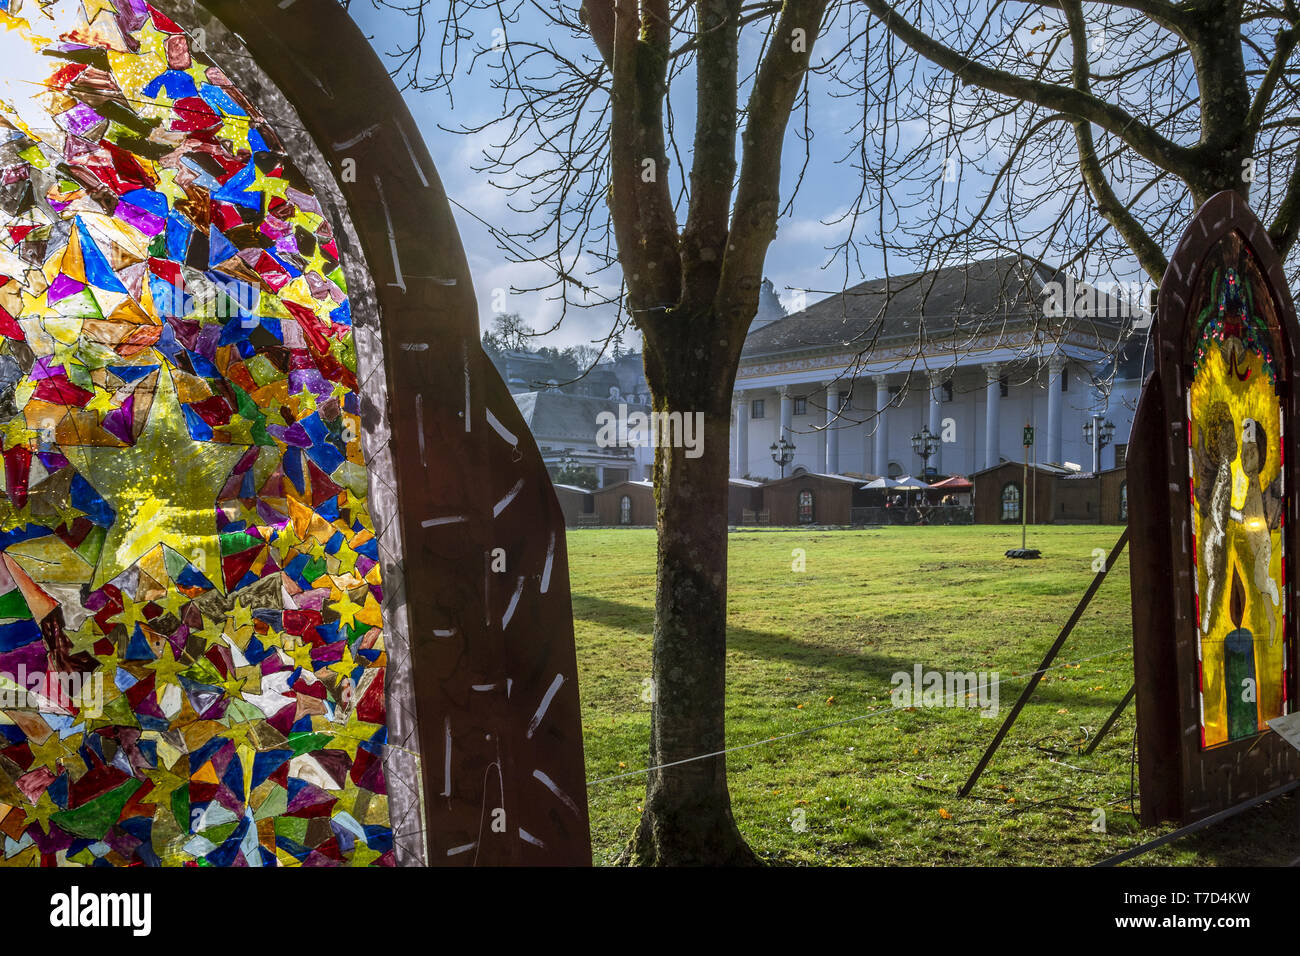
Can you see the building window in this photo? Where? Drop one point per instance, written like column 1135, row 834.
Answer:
column 1004, row 387
column 1123, row 501
column 845, row 401
column 805, row 507
column 625, row 510
column 801, row 405
column 756, row 408
column 1065, row 379
column 1121, row 456
column 945, row 392
column 1011, row 502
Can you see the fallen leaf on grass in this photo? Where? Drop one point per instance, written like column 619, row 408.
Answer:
column 945, row 814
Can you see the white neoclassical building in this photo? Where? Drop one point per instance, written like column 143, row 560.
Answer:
column 972, row 353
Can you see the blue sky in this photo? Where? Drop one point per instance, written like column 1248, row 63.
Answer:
column 796, row 258
column 799, row 258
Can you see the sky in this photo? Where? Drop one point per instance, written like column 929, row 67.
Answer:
column 796, row 259
column 799, row 262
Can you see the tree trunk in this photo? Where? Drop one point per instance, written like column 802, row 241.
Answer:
column 687, row 819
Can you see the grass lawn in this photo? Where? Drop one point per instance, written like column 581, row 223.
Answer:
column 815, row 647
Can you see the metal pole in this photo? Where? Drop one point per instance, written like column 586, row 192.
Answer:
column 1024, row 499
column 1044, row 664
column 1110, row 721
column 1096, row 444
column 1199, row 824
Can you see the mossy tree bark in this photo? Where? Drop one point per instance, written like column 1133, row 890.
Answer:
column 693, row 292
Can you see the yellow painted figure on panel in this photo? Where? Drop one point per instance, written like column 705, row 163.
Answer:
column 1234, row 413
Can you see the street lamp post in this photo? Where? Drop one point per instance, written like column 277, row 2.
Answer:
column 1098, row 434
column 925, row 444
column 782, row 453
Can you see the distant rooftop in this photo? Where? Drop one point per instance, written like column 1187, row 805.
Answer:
column 1006, row 292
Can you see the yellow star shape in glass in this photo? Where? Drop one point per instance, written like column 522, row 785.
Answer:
column 306, row 400
column 211, row 633
column 131, row 613
column 241, row 614
column 348, row 610
column 163, row 488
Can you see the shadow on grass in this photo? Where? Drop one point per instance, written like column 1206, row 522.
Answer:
column 789, row 649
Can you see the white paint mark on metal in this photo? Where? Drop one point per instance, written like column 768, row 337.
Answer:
column 392, row 237
column 464, row 358
column 415, row 346
column 410, row 151
column 514, row 602
column 529, row 838
column 550, row 561
column 544, row 705
column 500, row 429
column 446, row 757
column 550, row 785
column 419, row 427
column 482, row 687
column 364, row 134
column 501, row 505
column 463, row 848
column 434, row 522
column 444, row 632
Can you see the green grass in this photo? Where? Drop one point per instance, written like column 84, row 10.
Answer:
column 811, row 648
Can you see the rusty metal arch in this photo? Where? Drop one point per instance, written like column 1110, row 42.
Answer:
column 493, row 665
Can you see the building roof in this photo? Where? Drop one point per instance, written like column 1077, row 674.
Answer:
column 639, row 483
column 554, row 416
column 1006, row 292
column 855, row 482
column 1041, row 467
column 525, row 370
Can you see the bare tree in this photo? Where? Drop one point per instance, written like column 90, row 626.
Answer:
column 509, row 332
column 1079, row 134
column 1090, row 131
column 590, row 143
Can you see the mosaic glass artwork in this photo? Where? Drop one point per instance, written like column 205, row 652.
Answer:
column 191, row 646
column 1235, row 414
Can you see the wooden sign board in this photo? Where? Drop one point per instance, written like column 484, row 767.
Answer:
column 1213, row 519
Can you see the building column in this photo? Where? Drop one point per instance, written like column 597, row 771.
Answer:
column 787, row 412
column 742, row 436
column 992, row 422
column 832, row 428
column 1054, row 367
column 936, row 460
column 881, row 463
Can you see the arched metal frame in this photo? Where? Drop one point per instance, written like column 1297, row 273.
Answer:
column 493, row 672
column 1179, row 779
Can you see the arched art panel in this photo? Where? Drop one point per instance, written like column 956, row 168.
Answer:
column 207, row 651
column 1235, row 402
column 1213, row 520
